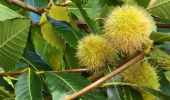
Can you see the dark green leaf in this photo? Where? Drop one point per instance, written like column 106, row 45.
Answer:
column 63, row 84
column 65, row 31
column 71, row 61
column 160, row 37
column 93, row 26
column 143, row 3
column 52, row 55
column 28, row 87
column 5, row 95
column 131, row 94
column 166, row 47
column 156, row 93
column 31, row 59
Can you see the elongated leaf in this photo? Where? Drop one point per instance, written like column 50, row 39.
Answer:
column 164, row 83
column 148, row 90
column 13, row 39
column 160, row 9
column 131, row 94
column 28, row 87
column 160, row 37
column 167, row 74
column 166, row 47
column 143, row 3
column 7, row 13
column 52, row 55
column 14, row 7
column 31, row 59
column 51, row 36
column 115, row 92
column 62, row 84
column 93, row 26
column 65, row 31
column 71, row 61
column 56, row 11
column 5, row 95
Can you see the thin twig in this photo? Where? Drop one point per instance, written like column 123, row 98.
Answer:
column 38, row 72
column 162, row 25
column 105, row 78
column 27, row 7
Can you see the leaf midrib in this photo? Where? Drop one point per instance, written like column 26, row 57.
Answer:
column 29, row 87
column 64, row 81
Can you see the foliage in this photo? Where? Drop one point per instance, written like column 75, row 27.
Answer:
column 37, row 50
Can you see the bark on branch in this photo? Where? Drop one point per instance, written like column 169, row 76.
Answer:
column 40, row 72
column 105, row 78
column 27, row 7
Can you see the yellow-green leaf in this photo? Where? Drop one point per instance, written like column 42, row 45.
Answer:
column 59, row 13
column 51, row 36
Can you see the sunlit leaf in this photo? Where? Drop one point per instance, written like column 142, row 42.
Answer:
column 59, row 13
column 69, row 35
column 12, row 41
column 7, row 13
column 52, row 55
column 160, row 9
column 52, row 36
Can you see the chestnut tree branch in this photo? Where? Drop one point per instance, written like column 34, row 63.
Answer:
column 41, row 72
column 105, row 78
column 27, row 7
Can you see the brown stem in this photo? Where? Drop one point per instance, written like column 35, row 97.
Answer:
column 159, row 25
column 27, row 7
column 105, row 78
column 55, row 71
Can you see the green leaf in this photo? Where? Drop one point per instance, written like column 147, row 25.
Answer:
column 7, row 13
column 28, row 87
column 14, row 7
column 167, row 74
column 131, row 94
column 160, row 54
column 160, row 9
column 70, row 36
column 164, row 83
column 32, row 60
column 63, row 84
column 51, row 36
column 115, row 93
column 93, row 13
column 166, row 47
column 13, row 39
column 160, row 37
column 5, row 95
column 93, row 25
column 80, row 1
column 52, row 55
column 143, row 3
column 71, row 61
column 156, row 93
